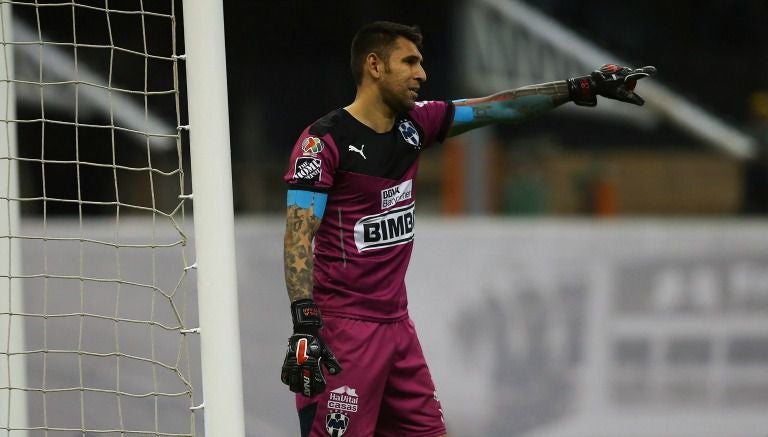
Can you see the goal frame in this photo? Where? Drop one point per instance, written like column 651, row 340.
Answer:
column 215, row 263
column 213, row 217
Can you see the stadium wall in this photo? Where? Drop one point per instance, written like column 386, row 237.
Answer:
column 549, row 327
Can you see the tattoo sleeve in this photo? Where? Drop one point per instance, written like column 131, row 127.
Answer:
column 511, row 106
column 301, row 225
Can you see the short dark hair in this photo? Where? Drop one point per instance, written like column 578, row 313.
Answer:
column 378, row 37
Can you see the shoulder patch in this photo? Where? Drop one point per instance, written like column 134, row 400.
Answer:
column 312, row 146
column 307, row 169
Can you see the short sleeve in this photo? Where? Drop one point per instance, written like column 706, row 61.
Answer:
column 435, row 118
column 313, row 163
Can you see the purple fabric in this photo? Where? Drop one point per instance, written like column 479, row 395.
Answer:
column 364, row 243
column 385, row 388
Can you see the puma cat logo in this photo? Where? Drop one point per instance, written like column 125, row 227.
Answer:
column 360, row 150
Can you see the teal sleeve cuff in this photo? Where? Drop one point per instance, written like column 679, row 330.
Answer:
column 463, row 114
column 305, row 199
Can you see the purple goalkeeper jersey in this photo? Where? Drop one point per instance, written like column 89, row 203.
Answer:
column 363, row 245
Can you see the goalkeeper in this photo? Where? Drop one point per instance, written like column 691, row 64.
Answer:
column 354, row 359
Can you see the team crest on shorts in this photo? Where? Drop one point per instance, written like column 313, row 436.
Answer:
column 336, row 424
column 409, row 133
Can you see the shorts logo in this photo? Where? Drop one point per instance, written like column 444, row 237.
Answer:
column 307, row 169
column 311, row 145
column 343, row 398
column 387, row 229
column 336, row 424
column 393, row 195
column 409, row 133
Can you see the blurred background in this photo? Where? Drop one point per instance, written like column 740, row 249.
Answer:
column 696, row 148
column 289, row 66
column 599, row 271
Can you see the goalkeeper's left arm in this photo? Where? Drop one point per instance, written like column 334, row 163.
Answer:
column 521, row 104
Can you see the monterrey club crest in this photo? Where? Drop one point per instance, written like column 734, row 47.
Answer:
column 409, row 133
column 336, row 424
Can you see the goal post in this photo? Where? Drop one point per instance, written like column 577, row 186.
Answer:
column 106, row 338
column 213, row 217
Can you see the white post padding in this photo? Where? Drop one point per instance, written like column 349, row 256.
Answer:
column 213, row 218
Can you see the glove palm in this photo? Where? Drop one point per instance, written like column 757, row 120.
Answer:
column 610, row 81
column 307, row 353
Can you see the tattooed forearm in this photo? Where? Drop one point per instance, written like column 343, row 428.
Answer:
column 511, row 106
column 301, row 225
column 556, row 91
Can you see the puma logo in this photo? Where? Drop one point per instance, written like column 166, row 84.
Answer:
column 360, row 150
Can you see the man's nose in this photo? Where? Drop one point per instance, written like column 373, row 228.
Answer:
column 421, row 74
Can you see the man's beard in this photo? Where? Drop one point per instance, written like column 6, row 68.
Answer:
column 398, row 103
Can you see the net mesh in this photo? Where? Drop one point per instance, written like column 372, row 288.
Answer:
column 98, row 284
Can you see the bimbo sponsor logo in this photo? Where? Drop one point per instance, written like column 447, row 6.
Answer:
column 387, row 229
column 393, row 195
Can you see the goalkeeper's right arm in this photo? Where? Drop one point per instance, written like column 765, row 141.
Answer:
column 306, row 352
column 305, row 210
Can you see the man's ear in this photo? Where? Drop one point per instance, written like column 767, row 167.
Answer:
column 374, row 65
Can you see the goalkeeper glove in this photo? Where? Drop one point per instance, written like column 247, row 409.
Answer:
column 306, row 352
column 611, row 81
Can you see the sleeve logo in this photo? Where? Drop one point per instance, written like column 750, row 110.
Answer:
column 312, row 145
column 307, row 169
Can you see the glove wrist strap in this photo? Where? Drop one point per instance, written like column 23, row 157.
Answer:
column 582, row 91
column 306, row 317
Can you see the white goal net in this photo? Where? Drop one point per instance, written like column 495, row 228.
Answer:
column 97, row 313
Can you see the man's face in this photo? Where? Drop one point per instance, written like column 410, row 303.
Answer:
column 402, row 76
